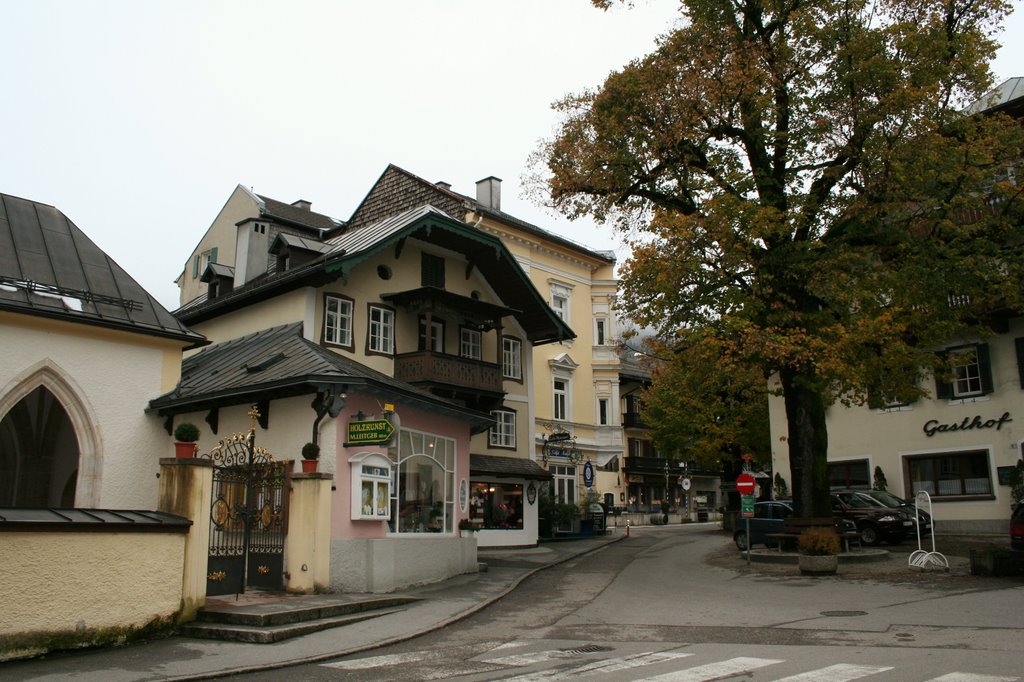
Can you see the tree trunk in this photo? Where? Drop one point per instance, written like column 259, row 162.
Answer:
column 808, row 444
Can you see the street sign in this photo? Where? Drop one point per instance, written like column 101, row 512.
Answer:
column 745, row 484
column 370, row 431
column 686, row 484
column 747, row 506
column 557, row 437
column 588, row 475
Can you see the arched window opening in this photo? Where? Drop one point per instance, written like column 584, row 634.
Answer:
column 38, row 453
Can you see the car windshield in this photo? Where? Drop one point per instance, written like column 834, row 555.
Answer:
column 887, row 499
column 856, row 500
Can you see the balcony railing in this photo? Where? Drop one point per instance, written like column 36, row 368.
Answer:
column 633, row 420
column 451, row 370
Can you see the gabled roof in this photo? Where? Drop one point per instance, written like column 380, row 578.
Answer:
column 483, row 250
column 50, row 268
column 295, row 215
column 398, row 190
column 1008, row 96
column 429, row 224
column 294, row 241
column 278, row 362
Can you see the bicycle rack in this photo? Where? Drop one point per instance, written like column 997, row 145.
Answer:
column 921, row 558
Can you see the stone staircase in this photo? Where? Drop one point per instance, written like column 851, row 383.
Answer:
column 263, row 618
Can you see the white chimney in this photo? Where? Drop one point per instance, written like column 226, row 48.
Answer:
column 303, row 204
column 444, row 185
column 488, row 192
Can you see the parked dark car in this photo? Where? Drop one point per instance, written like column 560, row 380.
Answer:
column 769, row 518
column 1017, row 527
column 874, row 521
column 887, row 499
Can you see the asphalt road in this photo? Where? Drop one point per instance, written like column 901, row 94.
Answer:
column 654, row 608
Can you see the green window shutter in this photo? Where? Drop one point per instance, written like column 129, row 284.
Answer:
column 985, row 365
column 943, row 390
column 213, row 255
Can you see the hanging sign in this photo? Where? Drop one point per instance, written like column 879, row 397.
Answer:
column 588, row 475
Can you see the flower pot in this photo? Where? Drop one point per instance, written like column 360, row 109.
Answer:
column 818, row 565
column 184, row 450
column 309, row 465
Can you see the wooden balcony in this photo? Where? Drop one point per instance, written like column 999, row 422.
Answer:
column 449, row 371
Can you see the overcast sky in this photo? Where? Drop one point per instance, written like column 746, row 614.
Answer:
column 137, row 119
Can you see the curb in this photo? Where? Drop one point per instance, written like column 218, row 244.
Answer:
column 393, row 640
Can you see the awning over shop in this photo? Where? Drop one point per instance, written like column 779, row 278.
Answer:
column 506, row 467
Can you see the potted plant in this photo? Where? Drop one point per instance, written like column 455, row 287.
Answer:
column 467, row 528
column 310, row 455
column 185, row 436
column 819, row 551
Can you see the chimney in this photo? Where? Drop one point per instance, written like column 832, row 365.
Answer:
column 303, row 204
column 444, row 185
column 488, row 192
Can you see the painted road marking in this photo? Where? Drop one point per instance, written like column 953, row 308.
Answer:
column 714, row 671
column 841, row 672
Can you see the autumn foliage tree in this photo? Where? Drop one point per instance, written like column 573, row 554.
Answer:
column 805, row 194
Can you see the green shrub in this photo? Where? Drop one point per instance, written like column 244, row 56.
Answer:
column 819, row 541
column 186, row 432
column 310, row 451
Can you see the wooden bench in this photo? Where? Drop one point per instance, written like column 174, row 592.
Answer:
column 792, row 527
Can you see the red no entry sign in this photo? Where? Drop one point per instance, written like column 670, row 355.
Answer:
column 745, row 484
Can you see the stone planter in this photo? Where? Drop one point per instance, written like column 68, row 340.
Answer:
column 818, row 565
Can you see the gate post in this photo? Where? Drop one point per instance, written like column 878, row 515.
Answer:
column 186, row 486
column 307, row 546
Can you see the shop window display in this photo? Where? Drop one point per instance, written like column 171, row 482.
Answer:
column 424, row 487
column 496, row 506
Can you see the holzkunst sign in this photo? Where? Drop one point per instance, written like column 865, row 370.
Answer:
column 932, row 426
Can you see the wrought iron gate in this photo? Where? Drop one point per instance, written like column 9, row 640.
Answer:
column 248, row 517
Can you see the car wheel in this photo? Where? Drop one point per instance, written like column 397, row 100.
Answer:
column 740, row 538
column 869, row 535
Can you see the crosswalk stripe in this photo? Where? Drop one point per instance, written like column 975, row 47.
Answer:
column 969, row 677
column 607, row 666
column 379, row 661
column 841, row 672
column 714, row 671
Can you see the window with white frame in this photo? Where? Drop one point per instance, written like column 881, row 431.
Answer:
column 970, row 373
column 470, row 343
column 503, row 433
column 424, row 491
column 564, row 483
column 603, row 416
column 560, row 399
column 338, row 311
column 560, row 304
column 511, row 358
column 560, row 293
column 600, row 331
column 966, row 373
column 436, row 335
column 381, row 332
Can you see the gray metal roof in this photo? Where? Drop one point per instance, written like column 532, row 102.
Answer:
column 296, row 242
column 506, row 467
column 366, row 238
column 91, row 520
column 49, row 267
column 279, row 362
column 1000, row 96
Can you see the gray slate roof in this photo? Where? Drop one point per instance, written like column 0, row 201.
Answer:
column 279, row 362
column 50, row 268
column 279, row 210
column 507, row 467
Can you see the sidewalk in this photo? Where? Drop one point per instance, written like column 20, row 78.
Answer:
column 180, row 658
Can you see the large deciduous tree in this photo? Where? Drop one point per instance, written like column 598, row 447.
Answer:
column 805, row 193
